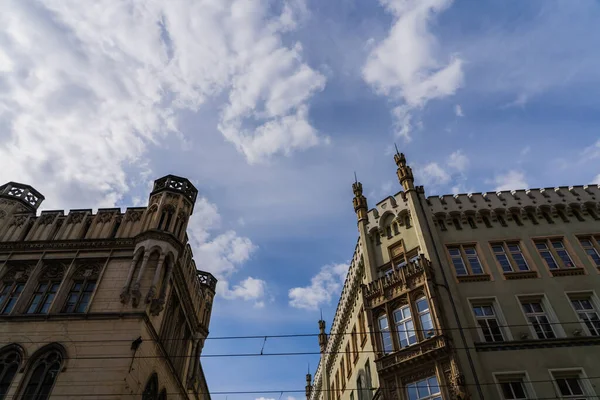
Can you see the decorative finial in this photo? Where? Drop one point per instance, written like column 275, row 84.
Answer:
column 396, row 146
column 355, row 178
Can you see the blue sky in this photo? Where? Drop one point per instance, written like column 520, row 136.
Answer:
column 270, row 106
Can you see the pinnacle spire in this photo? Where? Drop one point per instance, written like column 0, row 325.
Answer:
column 404, row 172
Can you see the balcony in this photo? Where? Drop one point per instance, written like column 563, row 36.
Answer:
column 399, row 280
column 417, row 353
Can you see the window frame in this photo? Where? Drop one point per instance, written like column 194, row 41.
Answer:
column 553, row 321
column 509, row 254
column 5, row 352
column 44, row 296
column 512, row 376
column 420, row 314
column 362, row 323
column 13, row 285
column 493, row 301
column 558, row 260
column 403, row 321
column 355, row 343
column 435, row 395
column 382, row 332
column 579, row 373
column 39, row 357
column 84, row 283
column 593, row 299
column 595, row 246
column 465, row 259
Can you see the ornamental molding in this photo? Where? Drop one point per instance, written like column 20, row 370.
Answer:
column 133, row 216
column 161, row 236
column 75, row 217
column 70, row 244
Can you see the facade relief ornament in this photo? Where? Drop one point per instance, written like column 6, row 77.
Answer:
column 53, row 271
column 87, row 271
column 133, row 216
column 19, row 273
column 47, row 219
column 75, row 217
column 7, row 202
column 2, row 214
column 105, row 217
column 19, row 220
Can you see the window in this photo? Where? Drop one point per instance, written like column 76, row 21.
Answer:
column 386, row 337
column 587, row 313
column 9, row 296
column 10, row 360
column 486, row 221
column 465, row 260
column 405, row 327
column 425, row 317
column 42, row 298
column 442, row 224
column 471, row 222
column 486, row 318
column 537, row 317
column 151, row 389
column 354, row 344
column 425, row 389
column 396, row 230
column 554, row 253
column 572, row 384
column 362, row 326
column 163, row 395
column 348, row 359
column 510, row 257
column 513, row 387
column 43, row 375
column 343, row 373
column 590, row 246
column 175, row 332
column 79, row 296
column 368, row 381
column 337, row 385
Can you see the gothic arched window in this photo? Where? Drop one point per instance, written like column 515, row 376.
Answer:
column 151, row 389
column 42, row 376
column 46, row 289
column 163, row 395
column 82, row 288
column 10, row 359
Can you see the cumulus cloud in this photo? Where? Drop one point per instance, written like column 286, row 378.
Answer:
column 458, row 111
column 85, row 88
column 511, row 180
column 432, row 174
column 325, row 284
column 223, row 254
column 406, row 66
column 458, row 160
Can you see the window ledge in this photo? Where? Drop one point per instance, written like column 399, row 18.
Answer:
column 567, row 271
column 521, row 275
column 474, row 278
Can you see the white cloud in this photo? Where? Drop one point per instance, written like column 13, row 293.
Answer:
column 458, row 111
column 405, row 65
column 224, row 254
column 323, row 286
column 458, row 161
column 596, row 180
column 592, row 151
column 85, row 88
column 511, row 180
column 526, row 150
column 432, row 174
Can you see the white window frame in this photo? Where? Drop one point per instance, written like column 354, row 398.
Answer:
column 588, row 390
column 475, row 301
column 557, row 327
column 595, row 302
column 505, row 376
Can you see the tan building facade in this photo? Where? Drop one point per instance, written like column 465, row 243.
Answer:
column 483, row 296
column 107, row 305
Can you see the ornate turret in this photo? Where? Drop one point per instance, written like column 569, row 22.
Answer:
column 28, row 198
column 308, row 387
column 405, row 174
column 322, row 336
column 359, row 201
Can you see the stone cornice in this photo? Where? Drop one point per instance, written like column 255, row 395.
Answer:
column 67, row 244
column 538, row 343
column 160, row 235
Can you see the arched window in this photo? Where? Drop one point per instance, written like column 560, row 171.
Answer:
column 163, row 395
column 42, row 376
column 151, row 389
column 10, row 360
column 82, row 288
column 46, row 289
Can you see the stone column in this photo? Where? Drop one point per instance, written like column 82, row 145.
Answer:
column 157, row 274
column 136, row 294
column 125, row 292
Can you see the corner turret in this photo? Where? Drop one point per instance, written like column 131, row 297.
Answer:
column 20, row 198
column 308, row 387
column 404, row 172
column 359, row 201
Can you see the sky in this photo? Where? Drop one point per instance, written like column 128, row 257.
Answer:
column 269, row 107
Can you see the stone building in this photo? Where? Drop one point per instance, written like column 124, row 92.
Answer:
column 468, row 296
column 103, row 305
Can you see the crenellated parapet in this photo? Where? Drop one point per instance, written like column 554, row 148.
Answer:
column 533, row 205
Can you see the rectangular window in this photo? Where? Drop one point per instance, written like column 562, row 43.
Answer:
column 587, row 313
column 425, row 317
column 571, row 385
column 590, row 246
column 386, row 337
column 488, row 322
column 465, row 260
column 554, row 253
column 348, row 359
column 362, row 326
column 405, row 327
column 342, row 374
column 537, row 317
column 513, row 387
column 42, row 298
column 79, row 297
column 510, row 257
column 337, row 385
column 424, row 389
column 9, row 296
column 354, row 343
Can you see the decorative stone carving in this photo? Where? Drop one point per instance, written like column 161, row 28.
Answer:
column 7, row 202
column 133, row 216
column 124, row 296
column 75, row 217
column 87, row 271
column 151, row 294
column 53, row 271
column 136, row 295
column 156, row 306
column 456, row 381
column 106, row 216
column 19, row 273
column 19, row 220
column 47, row 219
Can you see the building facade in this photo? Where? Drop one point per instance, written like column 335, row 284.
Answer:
column 103, row 305
column 468, row 296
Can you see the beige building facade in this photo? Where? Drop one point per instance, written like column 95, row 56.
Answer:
column 482, row 296
column 105, row 305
